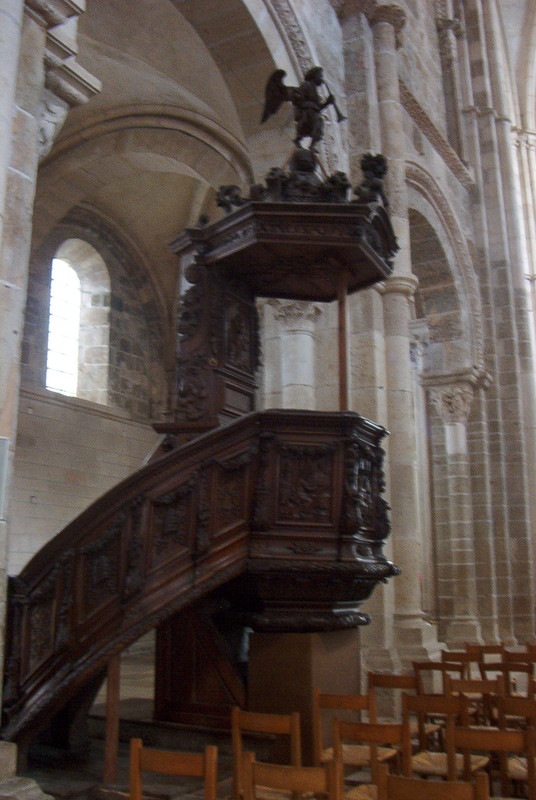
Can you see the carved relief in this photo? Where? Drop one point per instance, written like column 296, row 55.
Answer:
column 63, row 621
column 101, row 566
column 238, row 336
column 51, row 116
column 305, row 491
column 203, row 532
column 192, row 396
column 134, row 565
column 170, row 520
column 231, row 487
column 40, row 621
column 263, row 491
column 190, row 306
column 365, row 510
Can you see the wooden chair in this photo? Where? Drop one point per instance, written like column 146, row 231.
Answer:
column 519, row 768
column 373, row 734
column 167, row 762
column 434, row 763
column 265, row 725
column 357, row 756
column 485, row 652
column 424, row 673
column 398, row 684
column 514, row 712
column 397, row 787
column 462, row 657
column 290, row 781
column 518, row 676
column 480, row 694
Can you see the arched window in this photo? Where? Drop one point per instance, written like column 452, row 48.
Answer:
column 79, row 323
column 63, row 329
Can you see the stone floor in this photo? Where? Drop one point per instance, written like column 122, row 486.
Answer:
column 83, row 781
column 68, row 779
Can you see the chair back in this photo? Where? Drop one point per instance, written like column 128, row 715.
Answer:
column 386, row 690
column 397, row 787
column 250, row 722
column 515, row 711
column 426, row 669
column 492, row 741
column 485, row 652
column 370, row 733
column 325, row 780
column 430, row 705
column 518, row 676
column 484, row 690
column 168, row 762
column 337, row 703
column 460, row 657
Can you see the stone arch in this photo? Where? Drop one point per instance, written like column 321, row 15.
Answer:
column 450, row 247
column 141, row 341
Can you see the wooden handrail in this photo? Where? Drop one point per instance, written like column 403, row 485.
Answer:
column 272, row 495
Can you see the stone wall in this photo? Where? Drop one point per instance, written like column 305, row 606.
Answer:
column 69, row 452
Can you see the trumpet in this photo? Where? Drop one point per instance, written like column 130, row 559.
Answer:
column 340, row 115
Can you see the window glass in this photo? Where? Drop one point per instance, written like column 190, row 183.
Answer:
column 63, row 330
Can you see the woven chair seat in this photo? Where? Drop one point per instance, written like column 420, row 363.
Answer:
column 429, row 763
column 358, row 755
column 517, row 768
column 365, row 791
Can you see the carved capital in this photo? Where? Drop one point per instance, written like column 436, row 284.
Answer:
column 402, row 284
column 350, row 8
column 390, row 13
column 54, row 12
column 294, row 310
column 52, row 114
column 453, row 402
column 446, row 25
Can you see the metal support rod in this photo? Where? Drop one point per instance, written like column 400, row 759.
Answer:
column 342, row 294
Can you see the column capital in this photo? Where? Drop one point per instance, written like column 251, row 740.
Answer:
column 401, row 284
column 453, row 401
column 390, row 13
column 349, row 8
column 375, row 12
column 294, row 310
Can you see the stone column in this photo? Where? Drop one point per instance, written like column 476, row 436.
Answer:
column 449, row 29
column 11, row 12
column 413, row 637
column 456, row 574
column 35, row 47
column 500, row 238
column 297, row 327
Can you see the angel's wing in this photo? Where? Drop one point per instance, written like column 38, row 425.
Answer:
column 275, row 93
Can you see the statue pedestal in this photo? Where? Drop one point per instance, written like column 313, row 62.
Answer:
column 284, row 668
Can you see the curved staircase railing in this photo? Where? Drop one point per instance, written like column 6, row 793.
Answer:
column 291, row 500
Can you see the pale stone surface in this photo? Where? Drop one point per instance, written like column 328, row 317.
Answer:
column 451, row 103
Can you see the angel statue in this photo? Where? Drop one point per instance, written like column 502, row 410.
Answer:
column 306, row 100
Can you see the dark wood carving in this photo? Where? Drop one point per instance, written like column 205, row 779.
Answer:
column 296, row 250
column 192, row 654
column 212, row 511
column 217, row 350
